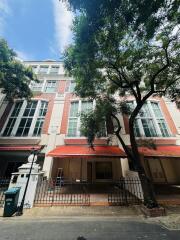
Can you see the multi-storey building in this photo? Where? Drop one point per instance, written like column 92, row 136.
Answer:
column 52, row 119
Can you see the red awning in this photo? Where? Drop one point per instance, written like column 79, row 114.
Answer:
column 77, row 151
column 161, row 151
column 19, row 148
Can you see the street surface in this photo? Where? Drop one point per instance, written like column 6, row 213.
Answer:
column 83, row 228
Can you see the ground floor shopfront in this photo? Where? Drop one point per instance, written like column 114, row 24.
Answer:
column 83, row 164
column 91, row 169
column 162, row 165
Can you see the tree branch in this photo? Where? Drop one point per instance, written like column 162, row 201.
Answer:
column 122, row 76
column 117, row 132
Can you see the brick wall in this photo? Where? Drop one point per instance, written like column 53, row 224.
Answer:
column 62, row 86
column 66, row 109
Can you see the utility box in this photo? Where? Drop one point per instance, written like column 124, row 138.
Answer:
column 11, row 201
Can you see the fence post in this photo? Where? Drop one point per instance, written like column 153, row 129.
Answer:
column 124, row 190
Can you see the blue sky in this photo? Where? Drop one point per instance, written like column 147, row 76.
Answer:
column 35, row 29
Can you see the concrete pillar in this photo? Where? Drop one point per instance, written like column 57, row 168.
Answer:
column 124, row 166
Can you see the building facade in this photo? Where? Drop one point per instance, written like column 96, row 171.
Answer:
column 52, row 120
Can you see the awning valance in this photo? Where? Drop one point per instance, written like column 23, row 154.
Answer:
column 112, row 151
column 161, row 151
column 19, row 148
column 79, row 151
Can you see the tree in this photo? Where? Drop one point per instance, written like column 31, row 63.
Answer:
column 124, row 48
column 14, row 76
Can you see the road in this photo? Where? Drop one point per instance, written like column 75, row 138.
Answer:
column 84, row 228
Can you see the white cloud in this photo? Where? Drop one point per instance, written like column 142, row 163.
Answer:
column 63, row 20
column 4, row 12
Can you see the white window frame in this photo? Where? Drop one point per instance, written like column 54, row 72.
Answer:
column 43, row 66
column 45, row 86
column 37, row 86
column 154, row 119
column 54, row 66
column 68, row 89
column 163, row 117
column 78, row 132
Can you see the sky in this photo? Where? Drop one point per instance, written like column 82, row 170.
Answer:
column 36, row 29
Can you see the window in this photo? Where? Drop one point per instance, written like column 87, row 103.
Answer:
column 74, row 123
column 51, row 86
column 12, row 119
column 73, row 120
column 54, row 70
column 43, row 69
column 34, row 68
column 26, row 119
column 36, row 86
column 160, row 120
column 70, row 85
column 40, row 119
column 150, row 121
column 74, row 116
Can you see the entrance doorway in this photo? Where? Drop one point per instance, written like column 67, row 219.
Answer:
column 104, row 170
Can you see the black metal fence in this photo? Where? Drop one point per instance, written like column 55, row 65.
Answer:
column 4, row 183
column 54, row 192
column 126, row 191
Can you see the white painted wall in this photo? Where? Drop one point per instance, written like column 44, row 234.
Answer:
column 53, row 131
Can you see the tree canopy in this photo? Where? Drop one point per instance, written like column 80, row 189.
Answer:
column 121, row 49
column 14, row 76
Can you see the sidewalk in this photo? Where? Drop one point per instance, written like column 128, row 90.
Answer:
column 78, row 211
column 171, row 221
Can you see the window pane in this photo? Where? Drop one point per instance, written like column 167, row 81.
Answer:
column 16, row 109
column 38, row 127
column 43, row 109
column 72, row 128
column 156, row 109
column 87, row 106
column 144, row 112
column 163, row 128
column 51, row 86
column 23, row 122
column 149, row 128
column 72, row 86
column 19, row 132
column 9, row 127
column 12, row 119
column 136, row 129
column 74, row 109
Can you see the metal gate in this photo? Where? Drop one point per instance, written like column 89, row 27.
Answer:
column 54, row 192
column 4, row 184
column 126, row 191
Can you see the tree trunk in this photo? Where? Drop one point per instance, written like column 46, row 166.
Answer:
column 147, row 187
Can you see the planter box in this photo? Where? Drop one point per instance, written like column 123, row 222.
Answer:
column 153, row 212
